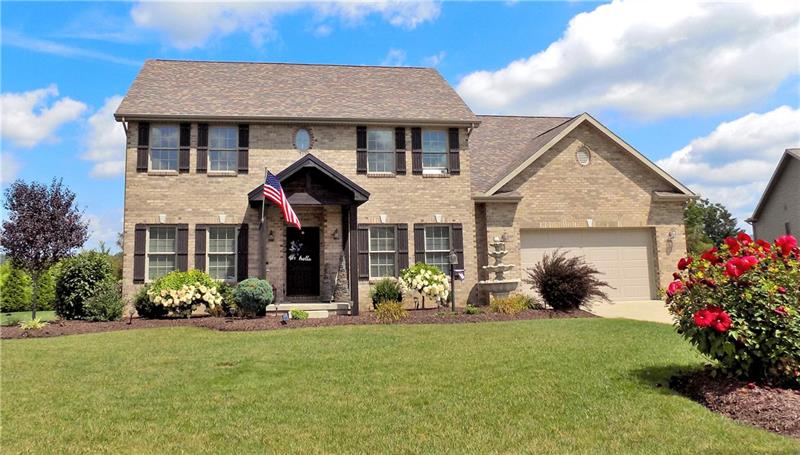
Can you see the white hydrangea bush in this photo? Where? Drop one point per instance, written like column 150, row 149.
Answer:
column 184, row 301
column 427, row 280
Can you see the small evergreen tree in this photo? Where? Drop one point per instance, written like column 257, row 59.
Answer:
column 15, row 294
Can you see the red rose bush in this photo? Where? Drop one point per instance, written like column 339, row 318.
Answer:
column 739, row 305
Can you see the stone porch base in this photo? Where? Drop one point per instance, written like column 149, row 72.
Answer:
column 315, row 309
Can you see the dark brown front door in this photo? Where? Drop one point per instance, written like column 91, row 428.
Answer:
column 302, row 261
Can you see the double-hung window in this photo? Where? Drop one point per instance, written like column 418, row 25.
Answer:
column 222, row 252
column 380, row 151
column 434, row 151
column 222, row 148
column 164, row 148
column 161, row 251
column 437, row 247
column 382, row 251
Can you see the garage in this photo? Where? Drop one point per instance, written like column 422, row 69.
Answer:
column 624, row 257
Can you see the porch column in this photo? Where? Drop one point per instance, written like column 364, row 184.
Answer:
column 352, row 260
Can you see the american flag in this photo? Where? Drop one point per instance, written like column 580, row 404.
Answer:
column 274, row 192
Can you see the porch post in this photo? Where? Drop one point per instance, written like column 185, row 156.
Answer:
column 262, row 245
column 353, row 260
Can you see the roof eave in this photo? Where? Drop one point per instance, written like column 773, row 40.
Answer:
column 788, row 153
column 318, row 120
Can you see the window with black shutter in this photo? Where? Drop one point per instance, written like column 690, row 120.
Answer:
column 400, row 150
column 142, row 148
column 139, row 252
column 200, row 247
column 362, row 241
column 419, row 243
column 454, row 162
column 241, row 253
column 183, row 247
column 416, row 151
column 402, row 248
column 361, row 149
column 244, row 149
column 183, row 151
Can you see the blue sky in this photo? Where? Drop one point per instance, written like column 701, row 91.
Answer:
column 710, row 92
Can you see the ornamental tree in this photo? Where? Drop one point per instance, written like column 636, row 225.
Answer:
column 44, row 225
column 740, row 305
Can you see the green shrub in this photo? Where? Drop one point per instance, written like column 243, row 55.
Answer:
column 513, row 304
column 228, row 306
column 177, row 279
column 182, row 292
column 106, row 304
column 32, row 324
column 46, row 289
column 390, row 311
column 739, row 304
column 472, row 309
column 386, row 289
column 15, row 290
column 252, row 297
column 565, row 283
column 145, row 308
column 80, row 277
column 298, row 314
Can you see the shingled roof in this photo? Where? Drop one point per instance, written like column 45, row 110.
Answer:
column 502, row 143
column 281, row 91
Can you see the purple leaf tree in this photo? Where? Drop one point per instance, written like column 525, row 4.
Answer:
column 44, row 225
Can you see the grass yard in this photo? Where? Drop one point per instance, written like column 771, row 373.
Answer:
column 16, row 318
column 567, row 386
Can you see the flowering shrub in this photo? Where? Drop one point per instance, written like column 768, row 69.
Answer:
column 183, row 301
column 739, row 305
column 426, row 279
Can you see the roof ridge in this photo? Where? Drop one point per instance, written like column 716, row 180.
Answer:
column 350, row 65
column 526, row 116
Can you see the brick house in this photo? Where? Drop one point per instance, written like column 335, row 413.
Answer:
column 778, row 210
column 384, row 167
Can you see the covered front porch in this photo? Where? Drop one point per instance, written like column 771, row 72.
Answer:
column 311, row 269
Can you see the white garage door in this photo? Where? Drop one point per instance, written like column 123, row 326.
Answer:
column 623, row 256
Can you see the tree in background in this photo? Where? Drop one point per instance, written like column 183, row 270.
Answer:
column 707, row 224
column 15, row 289
column 44, row 225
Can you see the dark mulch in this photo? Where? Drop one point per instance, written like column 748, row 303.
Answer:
column 272, row 322
column 772, row 408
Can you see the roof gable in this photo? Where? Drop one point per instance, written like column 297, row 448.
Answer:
column 278, row 91
column 788, row 155
column 544, row 142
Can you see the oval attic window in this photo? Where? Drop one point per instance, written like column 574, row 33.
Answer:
column 302, row 140
column 583, row 157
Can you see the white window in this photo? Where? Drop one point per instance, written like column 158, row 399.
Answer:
column 222, row 252
column 164, row 148
column 380, row 151
column 437, row 247
column 222, row 152
column 382, row 249
column 434, row 151
column 161, row 251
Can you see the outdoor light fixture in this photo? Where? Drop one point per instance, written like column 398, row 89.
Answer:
column 270, row 236
column 453, row 261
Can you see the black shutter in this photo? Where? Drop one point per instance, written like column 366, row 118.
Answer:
column 139, row 246
column 400, row 150
column 416, row 151
column 200, row 247
column 183, row 151
column 244, row 146
column 458, row 243
column 142, row 149
column 454, row 161
column 361, row 150
column 183, row 247
column 241, row 253
column 402, row 247
column 362, row 238
column 419, row 243
column 202, row 148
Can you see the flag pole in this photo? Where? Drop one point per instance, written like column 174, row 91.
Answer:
column 263, row 198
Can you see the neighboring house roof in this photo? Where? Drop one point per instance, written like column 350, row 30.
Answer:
column 782, row 164
column 166, row 89
column 497, row 139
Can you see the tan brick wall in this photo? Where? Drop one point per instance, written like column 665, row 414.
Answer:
column 615, row 190
column 200, row 198
column 783, row 205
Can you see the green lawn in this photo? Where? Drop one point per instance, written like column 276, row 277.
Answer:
column 568, row 386
column 15, row 318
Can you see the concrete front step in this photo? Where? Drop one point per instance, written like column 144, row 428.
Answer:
column 315, row 310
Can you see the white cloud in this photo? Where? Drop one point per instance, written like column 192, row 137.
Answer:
column 322, row 30
column 104, row 227
column 105, row 141
column 9, row 168
column 435, row 59
column 27, row 119
column 54, row 48
column 395, row 57
column 188, row 25
column 651, row 59
column 733, row 163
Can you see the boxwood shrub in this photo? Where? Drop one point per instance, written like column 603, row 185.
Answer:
column 79, row 279
column 252, row 297
column 106, row 304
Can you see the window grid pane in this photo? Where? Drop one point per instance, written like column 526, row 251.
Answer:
column 440, row 260
column 222, row 160
column 160, row 265
column 437, row 238
column 434, row 149
column 382, row 251
column 380, row 151
column 164, row 159
column 381, row 239
column 164, row 137
column 381, row 265
column 162, row 240
column 222, row 266
column 223, row 138
column 222, row 240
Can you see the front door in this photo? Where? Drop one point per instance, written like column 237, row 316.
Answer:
column 302, row 261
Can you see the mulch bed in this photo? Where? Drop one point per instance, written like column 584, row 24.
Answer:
column 272, row 322
column 771, row 408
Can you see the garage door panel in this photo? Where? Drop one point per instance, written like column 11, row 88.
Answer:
column 623, row 257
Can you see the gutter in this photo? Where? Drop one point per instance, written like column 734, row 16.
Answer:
column 296, row 120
